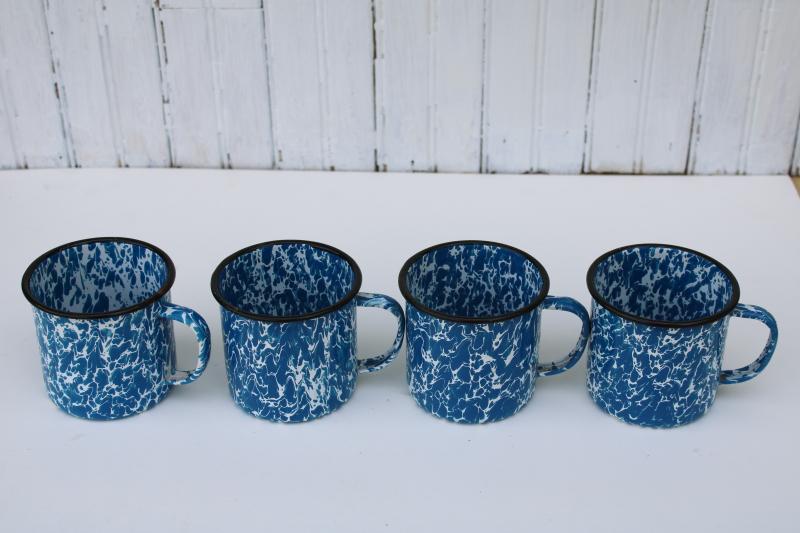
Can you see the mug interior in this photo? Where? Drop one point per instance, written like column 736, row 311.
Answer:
column 474, row 280
column 98, row 277
column 664, row 284
column 286, row 279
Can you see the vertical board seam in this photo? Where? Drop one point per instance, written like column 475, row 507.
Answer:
column 270, row 88
column 8, row 110
column 594, row 67
column 58, row 84
column 648, row 59
column 112, row 99
column 5, row 110
column 700, row 85
column 380, row 83
column 754, row 89
column 216, row 85
column 432, row 107
column 483, row 156
column 534, row 162
column 374, row 89
column 322, row 84
column 161, row 50
column 794, row 159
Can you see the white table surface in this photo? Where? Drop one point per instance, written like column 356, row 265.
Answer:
column 197, row 463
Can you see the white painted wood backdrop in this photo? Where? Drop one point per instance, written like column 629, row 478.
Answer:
column 557, row 86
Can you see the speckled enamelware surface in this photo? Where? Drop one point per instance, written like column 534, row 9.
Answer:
column 289, row 324
column 660, row 316
column 474, row 312
column 104, row 323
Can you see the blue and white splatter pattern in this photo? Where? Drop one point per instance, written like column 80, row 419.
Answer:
column 289, row 323
column 660, row 317
column 106, row 351
column 473, row 329
column 98, row 277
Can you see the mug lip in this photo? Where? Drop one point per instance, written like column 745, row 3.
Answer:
column 347, row 298
column 411, row 299
column 160, row 293
column 734, row 299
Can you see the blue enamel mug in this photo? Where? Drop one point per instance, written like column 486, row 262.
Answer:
column 289, row 323
column 660, row 316
column 474, row 313
column 104, row 322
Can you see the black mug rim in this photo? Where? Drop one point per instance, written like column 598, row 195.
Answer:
column 734, row 299
column 217, row 293
column 411, row 299
column 163, row 290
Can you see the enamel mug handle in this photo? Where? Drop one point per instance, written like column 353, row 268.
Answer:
column 200, row 328
column 753, row 369
column 365, row 299
column 562, row 303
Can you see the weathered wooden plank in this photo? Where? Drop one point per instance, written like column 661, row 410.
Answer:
column 244, row 98
column 561, row 93
column 320, row 58
column 192, row 92
column 8, row 152
column 348, row 54
column 429, row 84
column 457, row 72
column 537, row 74
column 773, row 126
column 748, row 101
column 79, row 45
column 643, row 86
column 726, row 71
column 403, row 85
column 665, row 130
column 296, row 87
column 135, row 81
column 510, row 93
column 33, row 116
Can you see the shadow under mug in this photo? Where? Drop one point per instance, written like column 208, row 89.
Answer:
column 660, row 316
column 474, row 315
column 104, row 323
column 289, row 322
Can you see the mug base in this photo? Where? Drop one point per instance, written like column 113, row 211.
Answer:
column 101, row 417
column 472, row 422
column 288, row 420
column 650, row 424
